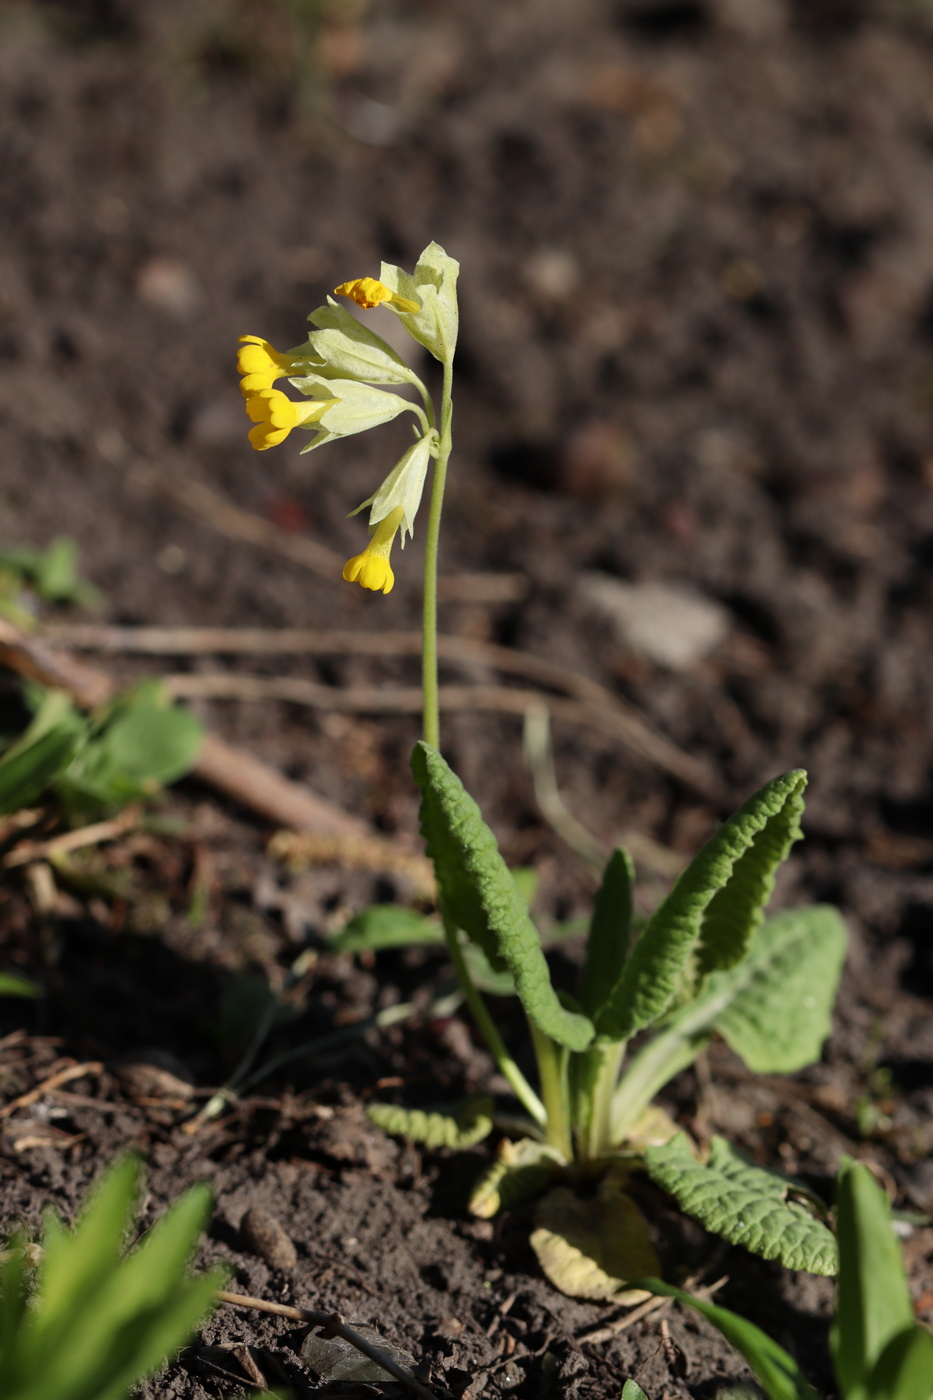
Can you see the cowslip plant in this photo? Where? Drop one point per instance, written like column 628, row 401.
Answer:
column 879, row 1350
column 705, row 963
column 99, row 1318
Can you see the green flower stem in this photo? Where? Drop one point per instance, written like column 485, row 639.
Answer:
column 552, row 1071
column 432, row 718
column 521, row 1088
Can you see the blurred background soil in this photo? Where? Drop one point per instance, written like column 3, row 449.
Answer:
column 693, row 430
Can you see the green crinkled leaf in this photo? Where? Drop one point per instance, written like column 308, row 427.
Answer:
column 736, row 910
column 435, row 1130
column 873, row 1303
column 479, row 895
column 774, row 1009
column 610, row 931
column 778, row 1372
column 780, row 1011
column 744, row 1203
column 692, row 920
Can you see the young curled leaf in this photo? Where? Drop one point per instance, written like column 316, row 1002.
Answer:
column 712, row 911
column 521, row 1170
column 435, row 1130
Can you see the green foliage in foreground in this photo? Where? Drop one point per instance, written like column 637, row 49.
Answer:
column 705, row 963
column 101, row 1319
column 50, row 574
column 123, row 752
column 880, row 1351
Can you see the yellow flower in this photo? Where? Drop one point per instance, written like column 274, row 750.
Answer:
column 275, row 415
column 261, row 364
column 372, row 569
column 369, row 292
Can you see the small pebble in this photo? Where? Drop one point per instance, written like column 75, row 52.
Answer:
column 337, row 1360
column 262, row 1235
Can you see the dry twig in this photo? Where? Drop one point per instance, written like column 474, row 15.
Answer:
column 603, row 709
column 298, row 850
column 406, row 700
column 93, row 835
column 337, row 1328
column 62, row 1077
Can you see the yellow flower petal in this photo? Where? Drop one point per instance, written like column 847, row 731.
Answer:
column 368, row 292
column 372, row 568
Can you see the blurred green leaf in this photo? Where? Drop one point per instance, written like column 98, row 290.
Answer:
column 102, row 1320
column 141, row 743
column 41, row 753
column 873, row 1303
column 52, row 573
column 13, row 986
column 383, row 926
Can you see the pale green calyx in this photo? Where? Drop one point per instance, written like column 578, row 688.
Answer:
column 404, row 485
column 351, row 407
column 433, row 286
column 350, row 350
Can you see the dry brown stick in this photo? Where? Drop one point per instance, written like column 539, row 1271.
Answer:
column 299, row 850
column 73, row 840
column 646, row 1309
column 232, row 771
column 62, row 1077
column 302, row 641
column 378, row 699
column 338, row 1328
column 627, row 724
column 622, row 1324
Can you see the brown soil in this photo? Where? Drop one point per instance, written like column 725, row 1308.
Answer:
column 697, row 347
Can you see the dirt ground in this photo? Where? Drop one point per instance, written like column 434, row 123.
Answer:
column 696, row 240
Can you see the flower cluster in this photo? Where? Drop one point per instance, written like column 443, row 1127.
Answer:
column 337, row 372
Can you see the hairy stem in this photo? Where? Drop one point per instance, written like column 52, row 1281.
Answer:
column 520, row 1086
column 432, row 719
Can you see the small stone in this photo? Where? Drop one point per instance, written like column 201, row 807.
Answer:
column 664, row 623
column 510, row 1376
column 261, row 1234
column 334, row 1359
